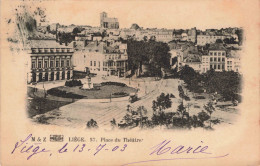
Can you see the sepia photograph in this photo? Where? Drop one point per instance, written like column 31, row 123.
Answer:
column 108, row 76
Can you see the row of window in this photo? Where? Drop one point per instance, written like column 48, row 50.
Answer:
column 210, row 37
column 97, row 63
column 220, row 67
column 46, row 64
column 217, row 59
column 217, row 53
column 229, row 62
column 113, row 56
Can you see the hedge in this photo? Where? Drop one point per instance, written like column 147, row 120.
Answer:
column 113, row 83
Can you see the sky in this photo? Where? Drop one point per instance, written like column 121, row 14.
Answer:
column 202, row 14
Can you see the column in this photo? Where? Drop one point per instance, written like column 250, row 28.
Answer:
column 43, row 76
column 61, row 75
column 55, row 76
column 49, row 76
column 37, row 77
column 43, row 63
column 36, row 62
column 54, row 62
column 60, row 61
column 49, row 61
column 71, row 73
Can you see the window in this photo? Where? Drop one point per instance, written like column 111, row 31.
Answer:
column 215, row 66
column 40, row 64
column 219, row 53
column 210, row 66
column 90, row 63
column 33, row 65
column 223, row 59
column 219, row 59
column 46, row 64
column 62, row 63
column 68, row 63
column 215, row 59
column 98, row 63
column 223, row 67
column 215, row 53
column 210, row 53
column 57, row 63
column 211, row 59
column 218, row 66
column 94, row 63
column 223, row 53
column 51, row 64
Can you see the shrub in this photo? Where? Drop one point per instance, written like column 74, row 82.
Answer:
column 163, row 102
column 199, row 97
column 121, row 93
column 133, row 98
column 92, row 124
column 172, row 96
column 60, row 93
column 203, row 116
column 73, row 83
column 113, row 83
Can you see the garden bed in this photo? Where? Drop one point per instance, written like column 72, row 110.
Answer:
column 106, row 91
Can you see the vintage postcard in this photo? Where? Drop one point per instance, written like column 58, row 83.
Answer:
column 129, row 82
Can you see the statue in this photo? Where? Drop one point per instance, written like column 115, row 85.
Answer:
column 87, row 84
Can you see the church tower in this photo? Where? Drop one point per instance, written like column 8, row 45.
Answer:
column 102, row 16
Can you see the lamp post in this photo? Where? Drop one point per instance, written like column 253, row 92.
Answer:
column 43, row 79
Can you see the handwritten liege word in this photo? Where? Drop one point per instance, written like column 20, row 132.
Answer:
column 32, row 149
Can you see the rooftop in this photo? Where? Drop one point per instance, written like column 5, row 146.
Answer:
column 45, row 44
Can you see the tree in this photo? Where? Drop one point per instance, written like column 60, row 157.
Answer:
column 76, row 31
column 163, row 102
column 113, row 123
column 145, row 38
column 92, row 124
column 240, row 35
column 152, row 53
column 128, row 118
column 141, row 110
column 219, row 41
column 152, row 38
column 203, row 116
column 182, row 111
column 210, row 109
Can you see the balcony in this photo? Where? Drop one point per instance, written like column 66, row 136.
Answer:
column 47, row 50
column 51, row 50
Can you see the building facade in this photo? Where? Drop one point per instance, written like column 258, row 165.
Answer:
column 50, row 64
column 233, row 61
column 101, row 59
column 209, row 39
column 216, row 59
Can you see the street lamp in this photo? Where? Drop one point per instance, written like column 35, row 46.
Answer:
column 43, row 86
